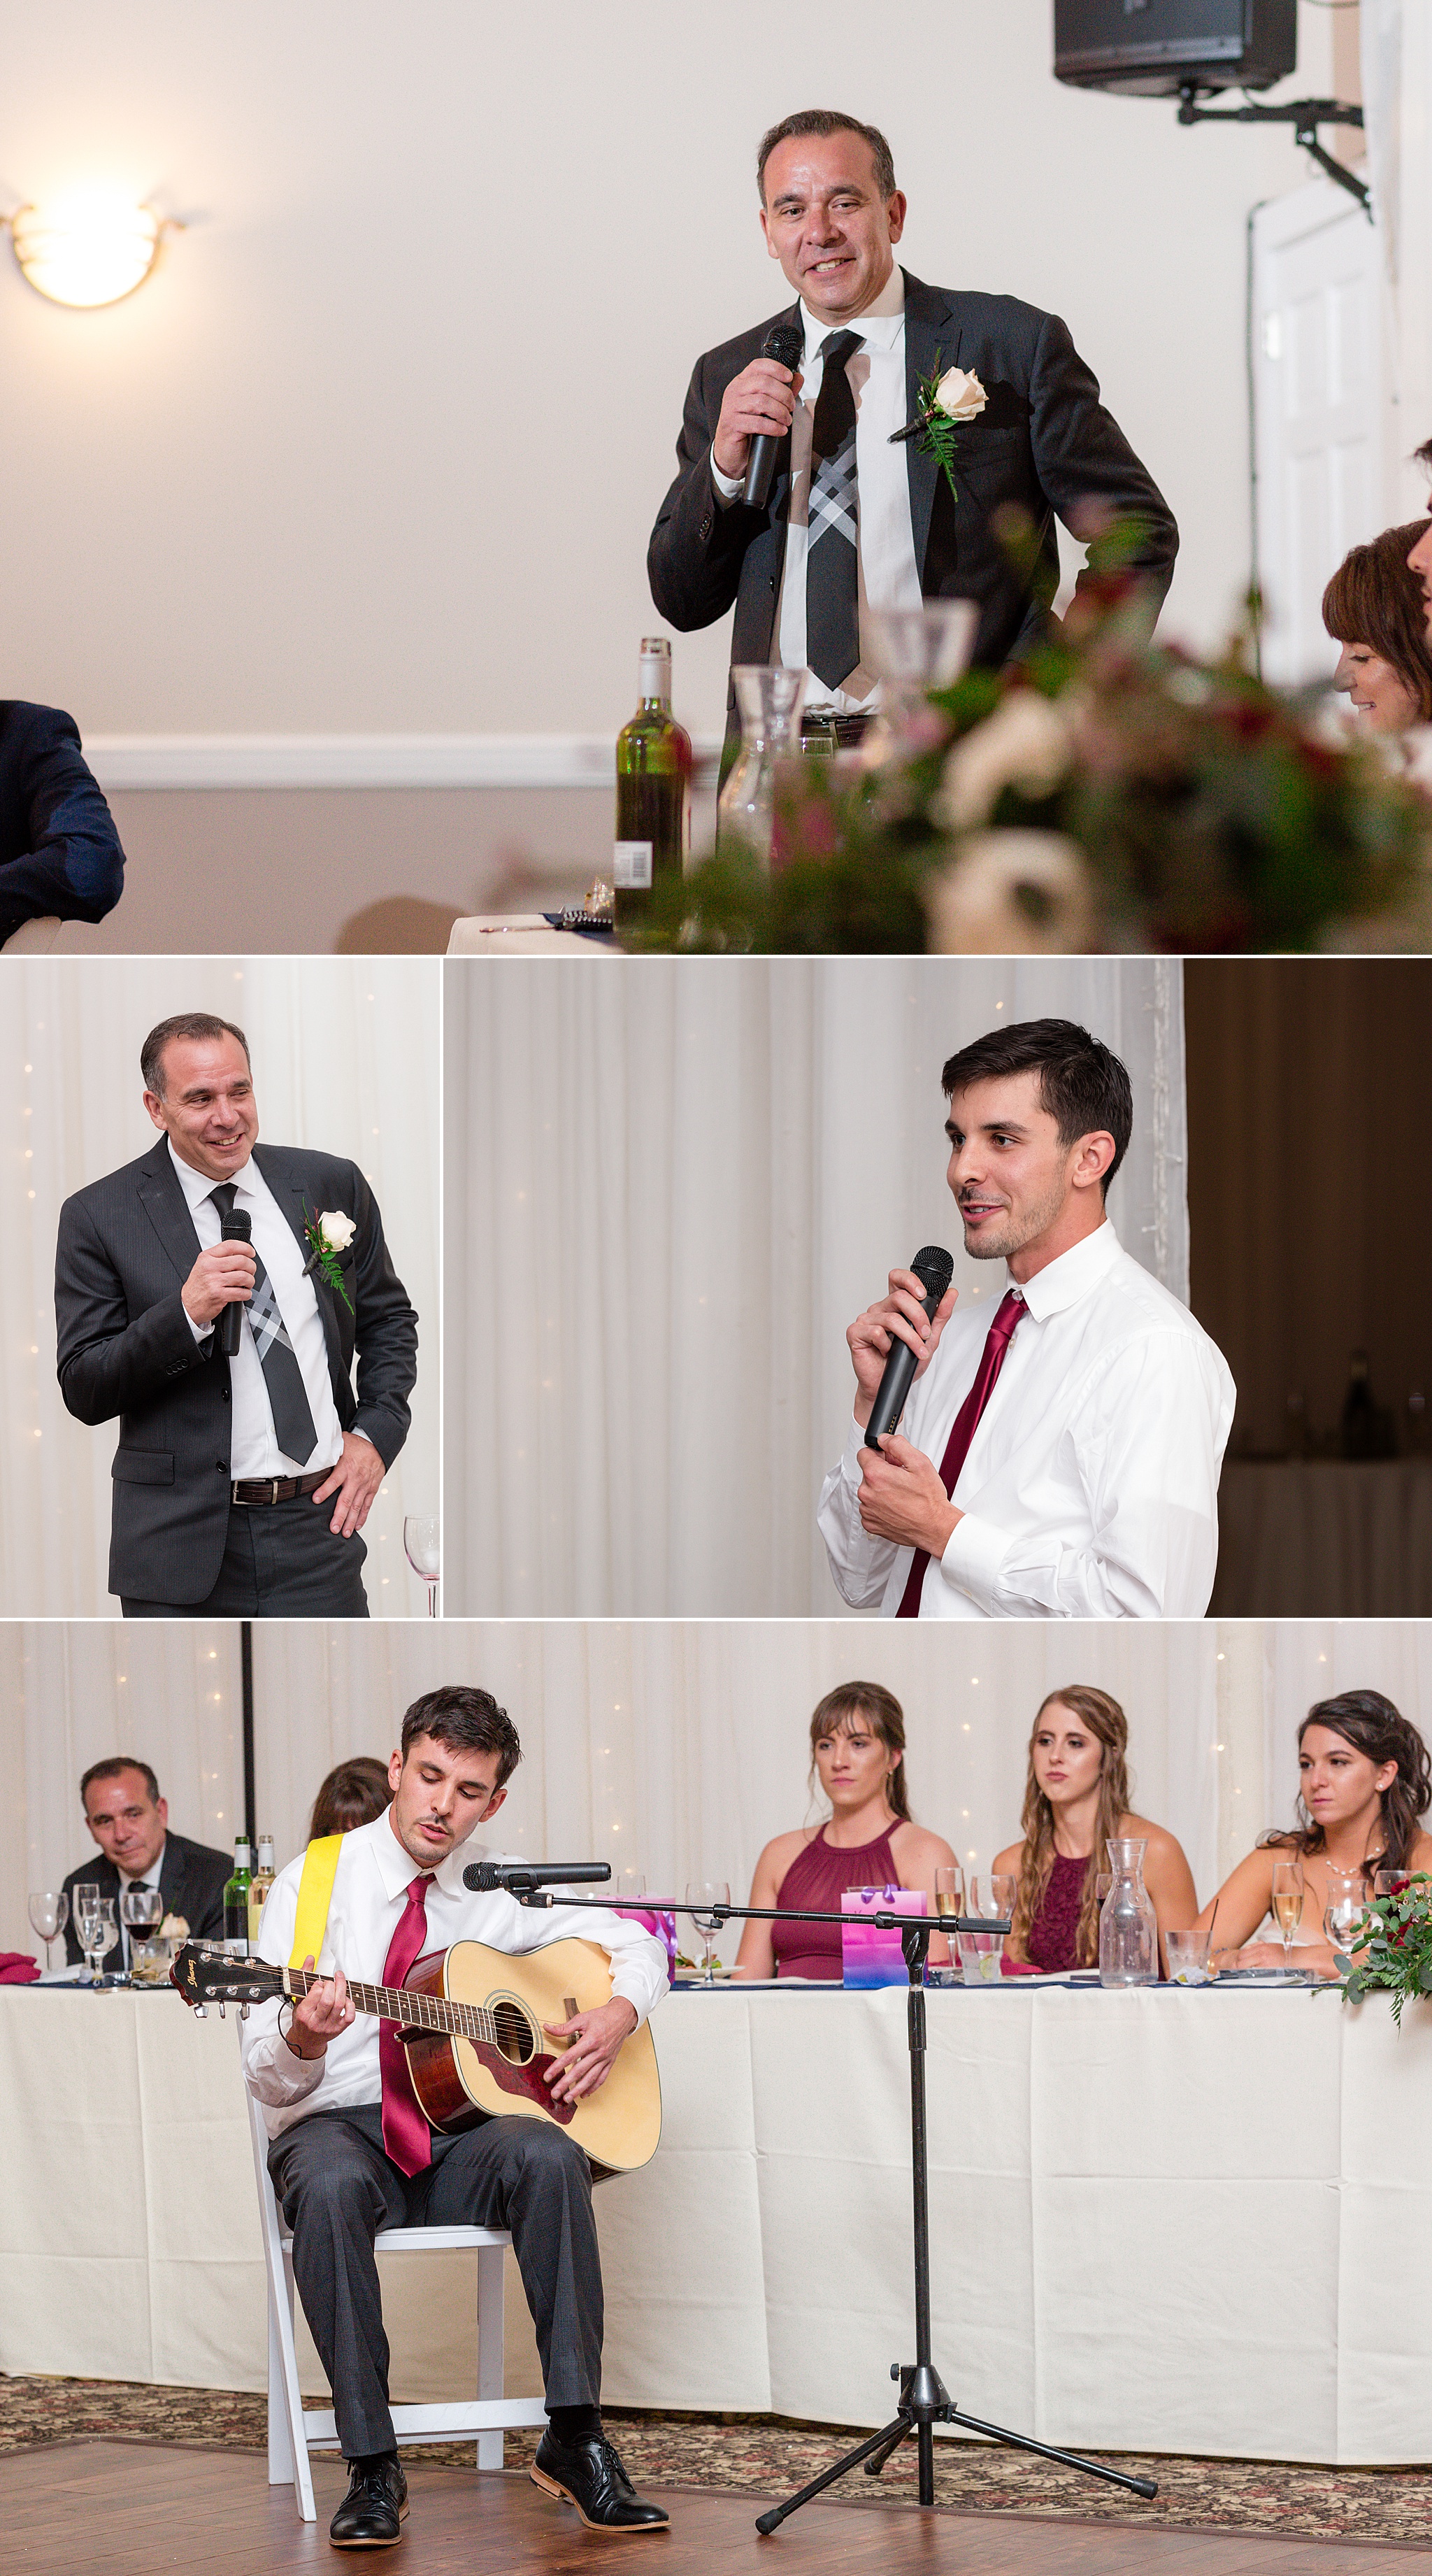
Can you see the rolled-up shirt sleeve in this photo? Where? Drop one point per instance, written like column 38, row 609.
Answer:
column 859, row 1565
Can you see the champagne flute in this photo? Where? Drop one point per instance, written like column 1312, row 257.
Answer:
column 701, row 1895
column 104, row 1936
column 86, row 1919
column 48, row 1916
column 422, row 1537
column 950, row 1889
column 1287, row 1904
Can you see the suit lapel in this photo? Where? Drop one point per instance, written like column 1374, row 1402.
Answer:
column 167, row 1209
column 931, row 335
column 287, row 1187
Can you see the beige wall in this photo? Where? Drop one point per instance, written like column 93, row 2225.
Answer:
column 380, row 446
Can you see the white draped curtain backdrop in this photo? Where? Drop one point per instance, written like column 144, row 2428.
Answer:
column 673, row 1748
column 668, row 1191
column 346, row 1057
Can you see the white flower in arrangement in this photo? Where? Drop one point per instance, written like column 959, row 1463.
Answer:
column 173, row 1928
column 1028, row 742
column 959, row 395
column 336, row 1228
column 1013, row 894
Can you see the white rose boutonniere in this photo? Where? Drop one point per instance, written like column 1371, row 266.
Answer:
column 947, row 403
column 328, row 1235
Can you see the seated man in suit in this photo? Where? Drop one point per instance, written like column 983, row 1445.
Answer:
column 854, row 522
column 130, row 1822
column 225, row 1465
column 352, row 2151
column 59, row 850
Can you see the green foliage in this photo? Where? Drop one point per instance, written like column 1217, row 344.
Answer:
column 1392, row 1948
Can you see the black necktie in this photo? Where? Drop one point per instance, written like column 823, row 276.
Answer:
column 293, row 1422
column 832, row 564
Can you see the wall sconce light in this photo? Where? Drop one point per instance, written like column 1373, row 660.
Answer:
column 87, row 250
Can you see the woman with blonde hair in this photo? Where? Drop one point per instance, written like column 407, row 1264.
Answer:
column 857, row 1739
column 1076, row 1800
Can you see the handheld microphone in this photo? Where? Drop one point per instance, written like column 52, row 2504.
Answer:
column 784, row 342
column 236, row 1228
column 520, row 1877
column 934, row 1269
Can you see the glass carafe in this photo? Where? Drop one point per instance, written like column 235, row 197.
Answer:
column 1128, row 1925
column 769, row 699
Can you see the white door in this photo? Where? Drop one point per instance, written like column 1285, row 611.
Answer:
column 1318, row 411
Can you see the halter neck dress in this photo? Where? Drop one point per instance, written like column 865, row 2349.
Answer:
column 819, row 1876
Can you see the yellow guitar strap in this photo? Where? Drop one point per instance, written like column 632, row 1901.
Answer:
column 315, row 1895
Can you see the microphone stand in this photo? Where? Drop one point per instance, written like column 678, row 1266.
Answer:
column 924, row 2399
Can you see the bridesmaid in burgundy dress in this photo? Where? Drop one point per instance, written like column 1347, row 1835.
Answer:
column 857, row 1737
column 1076, row 1800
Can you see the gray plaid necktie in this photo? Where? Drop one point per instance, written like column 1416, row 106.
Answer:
column 832, row 564
column 293, row 1422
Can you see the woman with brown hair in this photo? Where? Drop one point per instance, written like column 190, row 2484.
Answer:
column 1076, row 1800
column 1364, row 1781
column 1374, row 607
column 352, row 1795
column 857, row 1739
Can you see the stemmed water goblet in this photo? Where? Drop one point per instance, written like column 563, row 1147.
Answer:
column 1345, row 1908
column 422, row 1537
column 48, row 1916
column 701, row 1895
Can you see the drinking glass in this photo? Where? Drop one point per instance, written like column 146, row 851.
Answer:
column 769, row 698
column 1287, row 1903
column 48, row 1916
column 1103, row 1885
column 86, row 1919
column 701, row 1894
column 1188, row 1957
column 141, row 1911
column 1345, row 1911
column 950, row 1889
column 913, row 650
column 990, row 1894
column 423, row 1540
column 104, row 1937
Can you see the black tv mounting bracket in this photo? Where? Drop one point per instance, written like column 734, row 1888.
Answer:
column 1305, row 115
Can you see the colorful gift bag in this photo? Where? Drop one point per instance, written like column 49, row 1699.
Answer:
column 870, row 1957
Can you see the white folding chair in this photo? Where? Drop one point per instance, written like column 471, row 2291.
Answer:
column 294, row 2431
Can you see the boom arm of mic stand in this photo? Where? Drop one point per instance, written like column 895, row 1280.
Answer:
column 883, row 1918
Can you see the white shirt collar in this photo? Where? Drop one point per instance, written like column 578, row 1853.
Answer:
column 397, row 1868
column 1061, row 1284
column 197, row 1186
column 879, row 326
column 151, row 1875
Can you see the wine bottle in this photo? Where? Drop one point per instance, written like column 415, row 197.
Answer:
column 236, row 1902
column 1367, row 1430
column 259, row 1886
column 653, row 792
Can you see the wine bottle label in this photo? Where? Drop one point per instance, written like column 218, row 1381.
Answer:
column 631, row 865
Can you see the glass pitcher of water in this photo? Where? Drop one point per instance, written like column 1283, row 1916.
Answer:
column 769, row 699
column 1128, row 1925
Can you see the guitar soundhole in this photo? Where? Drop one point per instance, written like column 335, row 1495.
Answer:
column 514, row 2034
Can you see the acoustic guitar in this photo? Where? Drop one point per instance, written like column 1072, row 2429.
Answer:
column 471, row 2021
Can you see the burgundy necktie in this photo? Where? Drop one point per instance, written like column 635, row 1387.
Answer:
column 966, row 1423
column 406, row 2135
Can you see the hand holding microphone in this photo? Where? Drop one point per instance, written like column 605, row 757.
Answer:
column 756, row 413
column 892, row 1343
column 222, row 1281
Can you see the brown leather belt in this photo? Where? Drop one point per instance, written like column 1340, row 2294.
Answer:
column 277, row 1489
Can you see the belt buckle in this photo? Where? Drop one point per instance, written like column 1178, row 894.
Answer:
column 274, row 1484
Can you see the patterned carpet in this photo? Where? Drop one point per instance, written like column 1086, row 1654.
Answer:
column 762, row 2455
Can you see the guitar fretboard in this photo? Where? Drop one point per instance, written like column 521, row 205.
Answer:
column 417, row 2012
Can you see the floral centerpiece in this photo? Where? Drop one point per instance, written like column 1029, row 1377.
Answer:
column 1110, row 793
column 1393, row 1948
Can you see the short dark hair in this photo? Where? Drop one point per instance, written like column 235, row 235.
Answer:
column 185, row 1024
column 1423, row 455
column 111, row 1769
column 1082, row 1085
column 1374, row 598
column 825, row 121
column 465, row 1721
column 354, row 1793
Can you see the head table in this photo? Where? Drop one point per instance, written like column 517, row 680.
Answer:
column 1180, row 2220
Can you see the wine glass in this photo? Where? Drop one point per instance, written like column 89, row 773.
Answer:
column 104, row 1937
column 1287, row 1904
column 631, row 1891
column 950, row 1889
column 701, row 1895
column 141, row 1911
column 422, row 1537
column 1344, row 1910
column 86, row 1915
column 48, row 1916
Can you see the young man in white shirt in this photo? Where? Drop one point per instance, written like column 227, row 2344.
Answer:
column 1061, row 1459
column 370, row 2161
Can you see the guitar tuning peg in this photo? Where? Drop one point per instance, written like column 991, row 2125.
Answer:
column 244, row 2012
column 221, row 2011
column 201, row 2012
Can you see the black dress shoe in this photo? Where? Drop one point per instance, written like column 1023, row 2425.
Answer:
column 371, row 2514
column 590, row 2476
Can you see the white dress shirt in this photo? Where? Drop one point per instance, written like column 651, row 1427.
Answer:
column 255, row 1450
column 369, row 1895
column 1090, row 1488
column 889, row 575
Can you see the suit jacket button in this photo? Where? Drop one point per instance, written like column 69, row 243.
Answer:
column 226, row 1395
column 223, row 1466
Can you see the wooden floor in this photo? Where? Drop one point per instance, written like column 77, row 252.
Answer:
column 127, row 2509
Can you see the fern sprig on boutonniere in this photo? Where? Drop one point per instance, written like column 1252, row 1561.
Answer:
column 326, row 1236
column 945, row 403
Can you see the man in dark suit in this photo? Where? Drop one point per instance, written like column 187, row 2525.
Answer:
column 225, row 1465
column 130, row 1822
column 853, row 520
column 59, row 850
